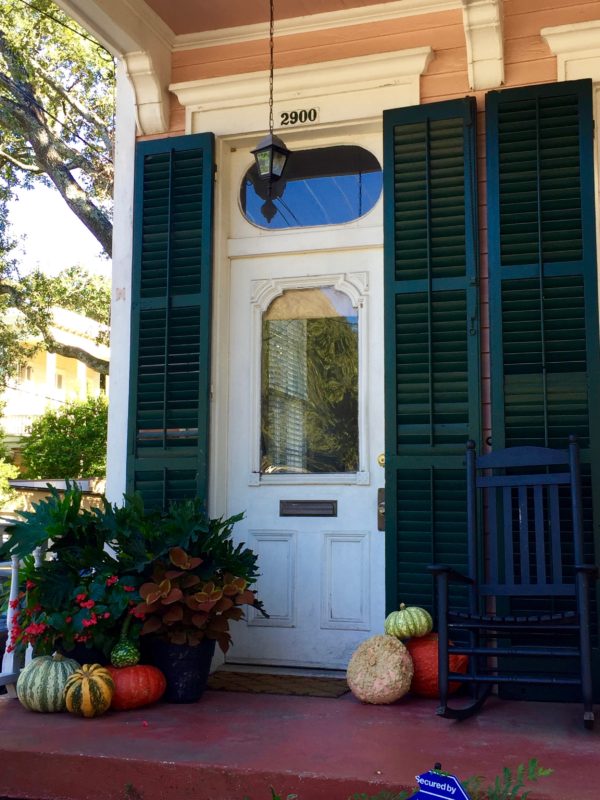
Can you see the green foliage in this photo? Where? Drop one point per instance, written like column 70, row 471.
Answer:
column 7, row 471
column 99, row 561
column 68, row 442
column 507, row 786
column 74, row 288
column 56, row 128
column 56, row 77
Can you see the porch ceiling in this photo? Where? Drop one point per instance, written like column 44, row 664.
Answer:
column 206, row 15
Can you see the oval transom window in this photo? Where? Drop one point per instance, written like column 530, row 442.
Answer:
column 324, row 186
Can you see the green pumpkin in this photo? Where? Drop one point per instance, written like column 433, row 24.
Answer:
column 41, row 685
column 408, row 621
column 124, row 653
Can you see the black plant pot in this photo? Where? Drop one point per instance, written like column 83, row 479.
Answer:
column 186, row 668
column 85, row 655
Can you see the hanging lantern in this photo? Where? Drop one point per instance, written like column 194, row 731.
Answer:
column 271, row 154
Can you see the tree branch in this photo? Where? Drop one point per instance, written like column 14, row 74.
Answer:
column 19, row 164
column 86, row 113
column 71, row 351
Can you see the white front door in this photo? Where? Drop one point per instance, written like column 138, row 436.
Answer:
column 305, row 408
column 306, row 481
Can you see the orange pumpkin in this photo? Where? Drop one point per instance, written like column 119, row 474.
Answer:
column 424, row 653
column 136, row 686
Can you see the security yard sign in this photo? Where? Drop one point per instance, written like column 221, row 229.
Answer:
column 435, row 784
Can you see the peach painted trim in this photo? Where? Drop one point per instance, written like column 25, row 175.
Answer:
column 315, row 22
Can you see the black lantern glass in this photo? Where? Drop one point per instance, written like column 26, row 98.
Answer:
column 271, row 156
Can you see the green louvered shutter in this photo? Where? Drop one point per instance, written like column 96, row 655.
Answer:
column 431, row 339
column 171, row 303
column 543, row 281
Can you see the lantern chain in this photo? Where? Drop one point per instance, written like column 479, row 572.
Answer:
column 271, row 54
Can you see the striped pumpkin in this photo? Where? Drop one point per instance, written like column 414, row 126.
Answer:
column 89, row 691
column 41, row 685
column 408, row 621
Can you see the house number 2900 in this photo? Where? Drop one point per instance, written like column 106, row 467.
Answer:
column 300, row 117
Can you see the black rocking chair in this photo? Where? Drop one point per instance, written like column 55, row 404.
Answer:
column 528, row 588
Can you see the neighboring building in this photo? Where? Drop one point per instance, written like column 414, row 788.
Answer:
column 474, row 273
column 48, row 380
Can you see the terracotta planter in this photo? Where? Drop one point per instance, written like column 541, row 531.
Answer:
column 186, row 668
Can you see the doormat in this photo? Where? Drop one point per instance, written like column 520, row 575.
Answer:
column 261, row 683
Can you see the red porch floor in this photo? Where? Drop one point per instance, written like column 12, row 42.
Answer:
column 231, row 745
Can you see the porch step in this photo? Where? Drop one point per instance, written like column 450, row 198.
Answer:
column 261, row 669
column 230, row 746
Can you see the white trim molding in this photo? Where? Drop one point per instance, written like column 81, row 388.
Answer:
column 356, row 286
column 482, row 21
column 577, row 50
column 130, row 30
column 345, row 89
column 381, row 12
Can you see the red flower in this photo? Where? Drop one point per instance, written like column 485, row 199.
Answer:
column 93, row 620
column 30, row 585
column 68, row 619
column 129, row 588
column 14, row 603
column 87, row 604
column 112, row 580
column 80, row 597
column 35, row 628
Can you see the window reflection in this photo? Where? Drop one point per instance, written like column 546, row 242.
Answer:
column 325, row 186
column 309, row 383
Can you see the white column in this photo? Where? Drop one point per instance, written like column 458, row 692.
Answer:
column 121, row 291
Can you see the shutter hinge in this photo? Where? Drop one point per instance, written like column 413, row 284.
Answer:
column 215, row 176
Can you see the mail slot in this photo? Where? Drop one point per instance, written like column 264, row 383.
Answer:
column 308, row 508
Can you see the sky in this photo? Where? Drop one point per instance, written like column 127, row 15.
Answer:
column 54, row 237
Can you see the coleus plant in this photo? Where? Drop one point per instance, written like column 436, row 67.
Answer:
column 182, row 605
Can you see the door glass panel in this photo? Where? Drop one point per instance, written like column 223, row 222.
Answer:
column 309, row 383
